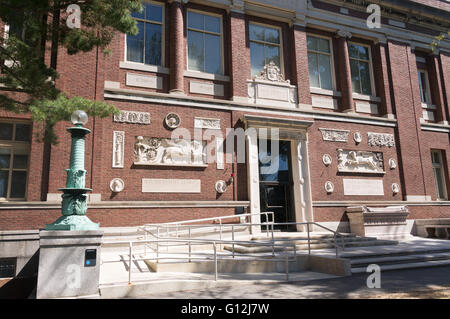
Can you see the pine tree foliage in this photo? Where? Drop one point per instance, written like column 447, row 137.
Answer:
column 27, row 82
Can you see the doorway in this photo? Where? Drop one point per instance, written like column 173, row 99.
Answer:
column 276, row 183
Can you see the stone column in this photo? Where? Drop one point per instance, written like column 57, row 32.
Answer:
column 300, row 64
column 253, row 178
column 177, row 48
column 239, row 55
column 383, row 80
column 345, row 76
column 436, row 89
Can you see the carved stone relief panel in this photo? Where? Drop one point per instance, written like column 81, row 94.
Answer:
column 334, row 135
column 132, row 117
column 169, row 152
column 118, row 145
column 201, row 122
column 360, row 161
column 380, row 139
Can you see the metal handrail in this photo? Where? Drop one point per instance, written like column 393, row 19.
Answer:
column 215, row 255
column 272, row 224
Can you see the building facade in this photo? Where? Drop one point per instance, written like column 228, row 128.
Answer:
column 358, row 112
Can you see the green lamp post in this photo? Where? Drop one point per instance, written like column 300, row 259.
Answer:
column 74, row 199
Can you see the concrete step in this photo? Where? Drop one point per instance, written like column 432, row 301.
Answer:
column 247, row 248
column 423, row 264
column 390, row 260
column 304, row 241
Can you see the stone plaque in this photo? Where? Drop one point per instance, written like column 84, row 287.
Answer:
column 362, row 187
column 366, row 107
column 118, row 145
column 324, row 102
column 206, row 88
column 144, row 81
column 273, row 92
column 162, row 185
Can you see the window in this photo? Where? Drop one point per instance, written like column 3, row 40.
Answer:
column 14, row 158
column 265, row 46
column 424, row 86
column 319, row 63
column 438, row 172
column 360, row 68
column 204, row 42
column 146, row 46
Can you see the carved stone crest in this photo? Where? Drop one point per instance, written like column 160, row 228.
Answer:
column 118, row 144
column 326, row 159
column 357, row 137
column 329, row 187
column 271, row 72
column 360, row 161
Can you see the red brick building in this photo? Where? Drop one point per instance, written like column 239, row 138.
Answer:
column 362, row 114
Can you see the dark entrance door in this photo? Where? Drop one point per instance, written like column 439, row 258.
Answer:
column 275, row 183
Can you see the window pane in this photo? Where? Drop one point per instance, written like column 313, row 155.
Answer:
column 324, row 45
column 212, row 24
column 5, row 157
column 363, row 52
column 313, row 71
column 353, row 51
column 354, row 68
column 256, row 32
column 22, row 132
column 212, row 54
column 423, row 87
column 152, row 44
column 135, row 45
column 6, row 131
column 3, row 183
column 196, row 58
column 435, row 158
column 256, row 57
column 20, row 161
column 325, row 72
column 365, row 78
column 272, row 35
column 311, row 43
column 272, row 54
column 195, row 20
column 439, row 183
column 18, row 183
column 153, row 12
column 140, row 15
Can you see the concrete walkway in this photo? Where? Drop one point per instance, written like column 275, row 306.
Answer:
column 416, row 283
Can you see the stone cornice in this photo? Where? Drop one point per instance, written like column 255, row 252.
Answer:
column 378, row 203
column 302, row 110
column 126, row 204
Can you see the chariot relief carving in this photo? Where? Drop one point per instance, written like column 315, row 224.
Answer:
column 360, row 161
column 167, row 152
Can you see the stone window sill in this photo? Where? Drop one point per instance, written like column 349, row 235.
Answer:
column 428, row 106
column 363, row 97
column 206, row 76
column 143, row 67
column 320, row 91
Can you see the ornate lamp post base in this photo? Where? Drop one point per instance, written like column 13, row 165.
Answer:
column 73, row 222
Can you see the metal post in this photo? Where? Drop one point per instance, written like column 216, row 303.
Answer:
column 309, row 240
column 215, row 261
column 286, row 261
column 335, row 244
column 273, row 242
column 220, row 235
column 232, row 238
column 145, row 244
column 157, row 246
column 189, row 243
column 129, row 265
column 177, row 231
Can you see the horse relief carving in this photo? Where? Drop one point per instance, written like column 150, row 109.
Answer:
column 360, row 161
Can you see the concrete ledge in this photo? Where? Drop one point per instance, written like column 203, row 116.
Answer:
column 329, row 265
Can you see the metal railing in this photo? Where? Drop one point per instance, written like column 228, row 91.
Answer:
column 204, row 256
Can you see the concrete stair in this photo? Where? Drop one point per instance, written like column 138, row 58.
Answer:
column 318, row 241
column 396, row 260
